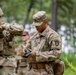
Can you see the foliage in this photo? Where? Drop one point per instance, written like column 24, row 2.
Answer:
column 71, row 58
column 70, row 64
column 13, row 9
column 68, row 71
column 67, row 17
column 17, row 9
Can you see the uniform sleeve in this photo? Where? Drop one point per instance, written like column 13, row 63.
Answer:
column 14, row 28
column 54, row 52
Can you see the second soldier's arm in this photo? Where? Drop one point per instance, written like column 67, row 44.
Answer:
column 13, row 28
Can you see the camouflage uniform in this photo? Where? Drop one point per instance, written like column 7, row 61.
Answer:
column 22, row 63
column 46, row 45
column 8, row 62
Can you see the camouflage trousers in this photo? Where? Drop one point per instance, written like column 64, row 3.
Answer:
column 7, row 71
column 7, row 66
column 21, row 65
column 46, row 71
column 22, row 71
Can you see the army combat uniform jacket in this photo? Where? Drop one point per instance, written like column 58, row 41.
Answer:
column 8, row 45
column 47, row 46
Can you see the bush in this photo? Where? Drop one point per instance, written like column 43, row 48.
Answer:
column 69, row 60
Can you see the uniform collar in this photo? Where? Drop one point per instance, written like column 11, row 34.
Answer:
column 44, row 32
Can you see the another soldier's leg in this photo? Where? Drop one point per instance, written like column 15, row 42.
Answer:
column 22, row 66
column 22, row 71
column 8, row 71
column 59, row 68
column 9, row 66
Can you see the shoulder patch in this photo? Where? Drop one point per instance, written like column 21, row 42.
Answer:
column 56, row 43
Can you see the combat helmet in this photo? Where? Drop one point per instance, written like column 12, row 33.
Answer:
column 1, row 12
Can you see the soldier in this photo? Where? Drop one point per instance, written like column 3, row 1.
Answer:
column 22, row 63
column 43, row 49
column 25, row 36
column 8, row 62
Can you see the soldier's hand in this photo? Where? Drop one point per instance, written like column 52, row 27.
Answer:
column 31, row 54
column 20, row 52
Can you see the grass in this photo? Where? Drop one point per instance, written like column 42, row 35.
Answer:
column 70, row 63
column 69, row 71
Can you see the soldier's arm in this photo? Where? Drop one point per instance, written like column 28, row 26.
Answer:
column 14, row 28
column 54, row 52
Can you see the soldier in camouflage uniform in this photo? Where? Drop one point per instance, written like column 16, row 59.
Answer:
column 22, row 63
column 43, row 50
column 8, row 62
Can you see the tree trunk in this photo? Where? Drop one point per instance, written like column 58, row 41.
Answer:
column 27, row 12
column 54, row 15
column 41, row 4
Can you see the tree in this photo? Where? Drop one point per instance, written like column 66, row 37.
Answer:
column 27, row 12
column 54, row 14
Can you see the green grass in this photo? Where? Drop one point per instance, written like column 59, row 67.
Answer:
column 69, row 71
column 70, row 63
